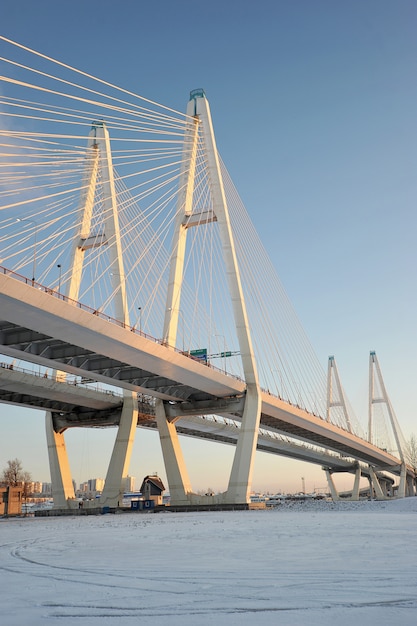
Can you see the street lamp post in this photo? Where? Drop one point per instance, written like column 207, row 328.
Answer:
column 59, row 279
column 140, row 319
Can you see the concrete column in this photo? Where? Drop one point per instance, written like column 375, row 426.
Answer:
column 240, row 482
column 379, row 495
column 410, row 487
column 403, row 479
column 122, row 451
column 356, row 484
column 241, row 474
column 177, row 475
column 61, row 479
column 332, row 487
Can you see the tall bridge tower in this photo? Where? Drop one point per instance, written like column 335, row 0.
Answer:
column 98, row 157
column 238, row 490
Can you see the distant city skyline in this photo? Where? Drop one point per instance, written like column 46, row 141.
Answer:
column 314, row 112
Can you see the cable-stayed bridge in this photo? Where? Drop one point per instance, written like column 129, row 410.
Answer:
column 127, row 257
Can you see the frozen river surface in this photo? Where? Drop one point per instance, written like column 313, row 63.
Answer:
column 304, row 564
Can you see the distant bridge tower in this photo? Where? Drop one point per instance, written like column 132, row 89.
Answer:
column 98, row 159
column 336, row 399
column 238, row 491
column 378, row 395
column 335, row 394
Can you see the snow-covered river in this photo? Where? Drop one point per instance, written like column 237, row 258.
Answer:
column 307, row 563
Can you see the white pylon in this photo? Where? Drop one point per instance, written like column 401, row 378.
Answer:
column 332, row 487
column 375, row 376
column 198, row 112
column 338, row 399
column 98, row 157
column 61, row 479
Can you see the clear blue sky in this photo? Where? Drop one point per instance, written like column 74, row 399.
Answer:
column 314, row 105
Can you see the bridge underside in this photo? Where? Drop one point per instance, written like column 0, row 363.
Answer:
column 103, row 409
column 76, row 405
column 23, row 343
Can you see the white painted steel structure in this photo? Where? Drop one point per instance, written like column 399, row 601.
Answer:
column 40, row 325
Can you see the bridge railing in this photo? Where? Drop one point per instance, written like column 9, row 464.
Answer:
column 69, row 380
column 104, row 316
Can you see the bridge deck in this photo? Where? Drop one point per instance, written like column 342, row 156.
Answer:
column 41, row 326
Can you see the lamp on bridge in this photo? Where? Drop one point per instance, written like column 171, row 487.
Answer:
column 59, row 266
column 138, row 319
column 31, row 221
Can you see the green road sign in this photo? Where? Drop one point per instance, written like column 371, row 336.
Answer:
column 200, row 354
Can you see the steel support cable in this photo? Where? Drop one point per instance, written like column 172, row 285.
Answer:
column 39, row 136
column 64, row 150
column 125, row 238
column 184, row 290
column 89, row 76
column 137, row 111
column 104, row 105
column 256, row 282
column 85, row 116
column 8, row 240
column 200, row 250
column 59, row 179
column 24, row 138
column 154, row 265
column 197, row 258
column 28, row 160
column 88, row 122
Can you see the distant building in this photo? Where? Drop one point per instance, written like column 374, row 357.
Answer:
column 129, row 484
column 11, row 500
column 96, row 484
column 152, row 489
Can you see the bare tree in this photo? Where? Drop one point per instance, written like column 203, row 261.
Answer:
column 411, row 452
column 13, row 475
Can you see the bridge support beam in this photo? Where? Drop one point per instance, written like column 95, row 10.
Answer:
column 241, row 475
column 375, row 485
column 403, row 481
column 410, row 488
column 177, row 475
column 332, row 487
column 240, row 481
column 122, row 451
column 356, row 484
column 61, row 479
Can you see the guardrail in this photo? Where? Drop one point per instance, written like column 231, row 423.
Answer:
column 107, row 318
